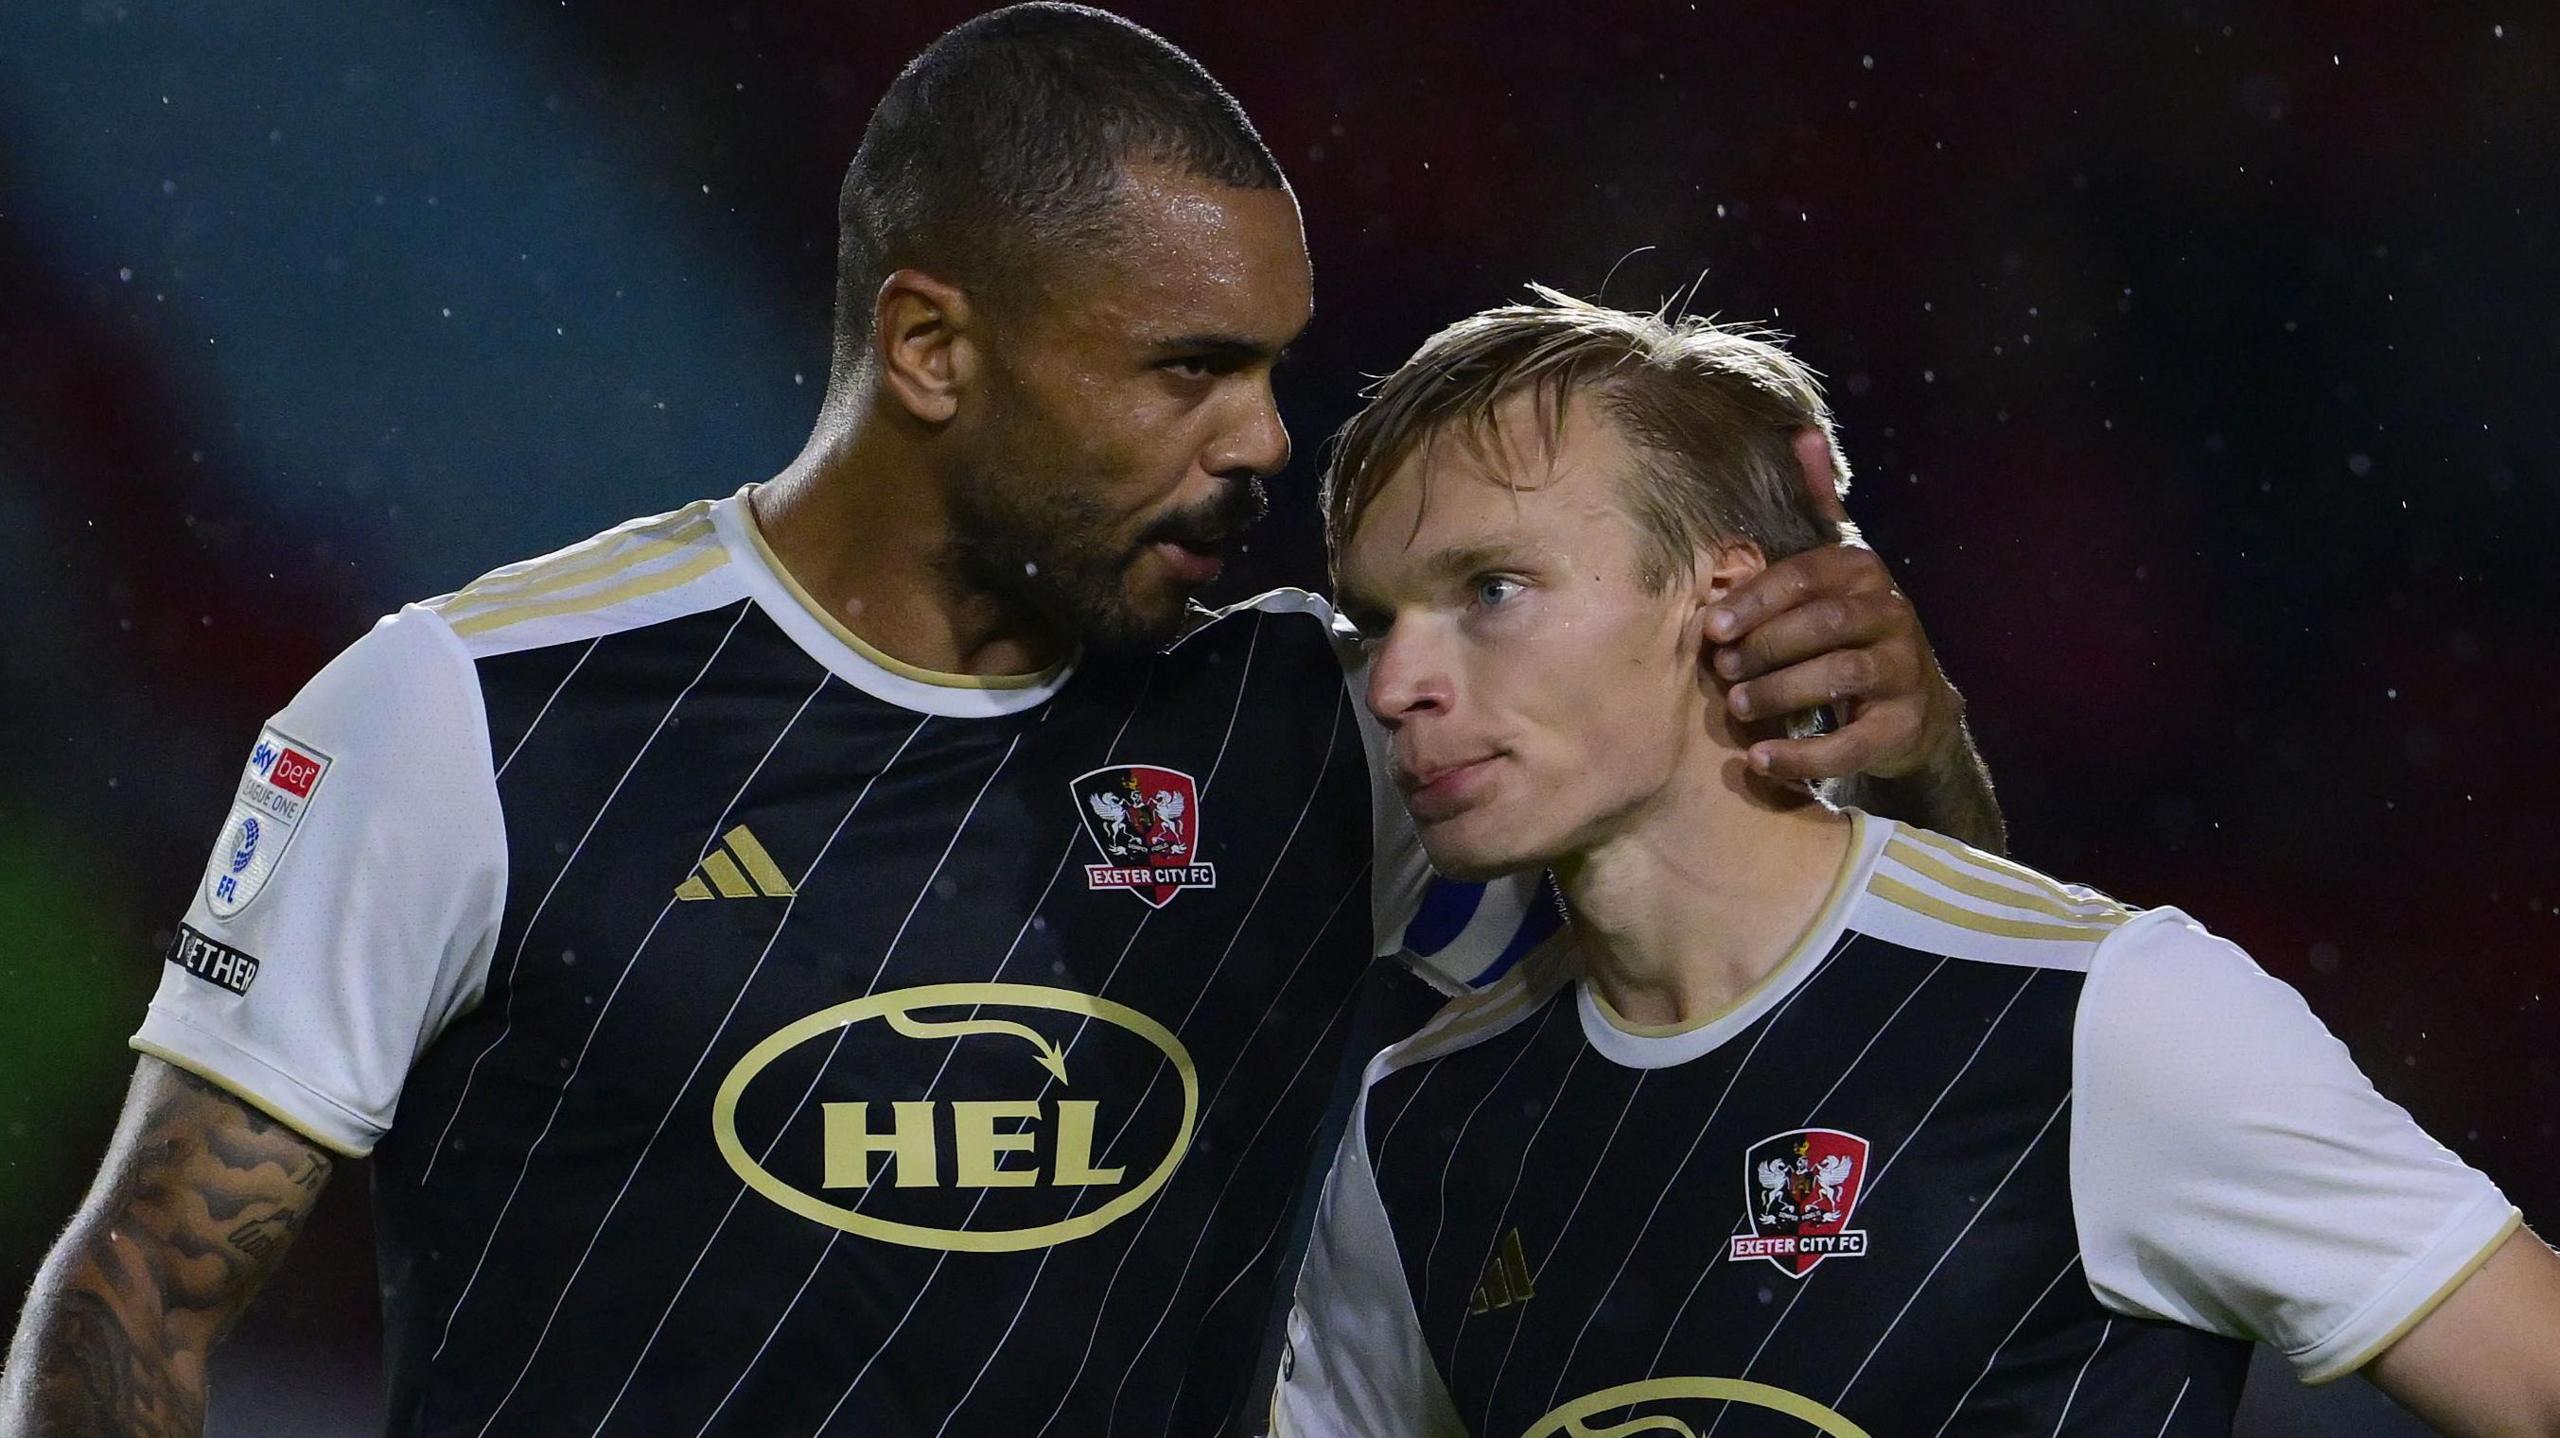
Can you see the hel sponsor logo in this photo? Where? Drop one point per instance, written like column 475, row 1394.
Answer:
column 1800, row 1187
column 932, row 1144
column 216, row 963
column 1682, row 1408
column 275, row 788
column 1146, row 821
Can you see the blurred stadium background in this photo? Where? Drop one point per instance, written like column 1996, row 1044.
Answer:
column 2196, row 361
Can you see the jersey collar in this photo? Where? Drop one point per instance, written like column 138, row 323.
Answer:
column 849, row 657
column 1648, row 1047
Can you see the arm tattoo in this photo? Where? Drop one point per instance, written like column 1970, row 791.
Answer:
column 199, row 1198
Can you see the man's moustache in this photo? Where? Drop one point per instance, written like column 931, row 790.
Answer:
column 1238, row 509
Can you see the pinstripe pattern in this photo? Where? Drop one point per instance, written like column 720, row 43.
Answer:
column 1085, row 1360
column 2003, row 1345
column 584, row 652
column 1806, row 1286
column 2076, row 1379
column 2171, row 1415
column 686, row 1282
column 615, row 1026
column 1839, row 946
column 711, row 838
column 516, row 960
column 1951, row 1063
column 833, row 1048
column 1111, row 753
column 1985, row 1207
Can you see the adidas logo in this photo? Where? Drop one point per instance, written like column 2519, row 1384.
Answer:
column 737, row 868
column 1506, row 1278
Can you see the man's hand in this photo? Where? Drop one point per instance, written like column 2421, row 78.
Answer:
column 1829, row 627
column 194, row 1206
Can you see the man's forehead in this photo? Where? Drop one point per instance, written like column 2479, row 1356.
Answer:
column 1500, row 472
column 1432, row 510
column 1216, row 259
column 1500, row 489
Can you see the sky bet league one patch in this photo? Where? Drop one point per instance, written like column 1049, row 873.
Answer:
column 275, row 792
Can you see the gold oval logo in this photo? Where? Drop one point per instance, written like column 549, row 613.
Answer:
column 897, row 1009
column 1569, row 1421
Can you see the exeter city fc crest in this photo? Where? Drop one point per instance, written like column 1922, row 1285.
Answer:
column 1146, row 821
column 1802, row 1186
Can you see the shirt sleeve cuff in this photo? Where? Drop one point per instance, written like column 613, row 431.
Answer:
column 255, row 1082
column 2458, row 1252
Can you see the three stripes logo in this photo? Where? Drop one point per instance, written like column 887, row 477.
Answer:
column 1506, row 1278
column 736, row 868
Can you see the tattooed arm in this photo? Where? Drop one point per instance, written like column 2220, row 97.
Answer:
column 198, row 1198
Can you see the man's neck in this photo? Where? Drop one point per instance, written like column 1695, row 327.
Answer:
column 855, row 522
column 1681, row 916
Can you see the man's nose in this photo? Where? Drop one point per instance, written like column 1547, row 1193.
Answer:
column 1257, row 443
column 1407, row 677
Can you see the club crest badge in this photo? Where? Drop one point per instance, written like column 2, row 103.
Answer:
column 1801, row 1188
column 1146, row 821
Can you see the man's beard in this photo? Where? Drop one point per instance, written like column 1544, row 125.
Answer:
column 1028, row 535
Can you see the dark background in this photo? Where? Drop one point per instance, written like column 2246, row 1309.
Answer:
column 2196, row 362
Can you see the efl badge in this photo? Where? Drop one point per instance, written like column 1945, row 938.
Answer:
column 275, row 791
column 1802, row 1186
column 1147, row 822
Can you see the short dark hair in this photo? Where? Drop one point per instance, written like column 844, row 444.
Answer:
column 1004, row 142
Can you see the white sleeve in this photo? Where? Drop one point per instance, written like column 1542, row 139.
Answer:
column 1356, row 1363
column 2232, row 1169
column 352, row 899
column 1456, row 936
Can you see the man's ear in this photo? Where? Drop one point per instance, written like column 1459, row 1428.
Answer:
column 1719, row 568
column 924, row 341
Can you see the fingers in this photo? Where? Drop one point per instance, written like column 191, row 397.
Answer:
column 1820, row 466
column 1852, row 749
column 1833, row 678
column 1818, row 627
column 1832, row 571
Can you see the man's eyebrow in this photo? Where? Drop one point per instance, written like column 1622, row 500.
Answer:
column 1231, row 349
column 1463, row 561
column 1467, row 560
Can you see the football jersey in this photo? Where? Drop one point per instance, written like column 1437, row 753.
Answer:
column 756, row 1034
column 1986, row 1154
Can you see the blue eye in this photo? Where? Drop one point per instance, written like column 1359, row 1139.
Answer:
column 1493, row 590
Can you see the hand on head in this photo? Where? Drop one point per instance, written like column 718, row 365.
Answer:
column 1829, row 626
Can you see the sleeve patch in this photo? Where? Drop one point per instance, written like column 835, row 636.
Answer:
column 216, row 963
column 277, row 787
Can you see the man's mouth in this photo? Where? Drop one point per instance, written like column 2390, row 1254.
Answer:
column 1193, row 561
column 1441, row 790
column 1193, row 544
